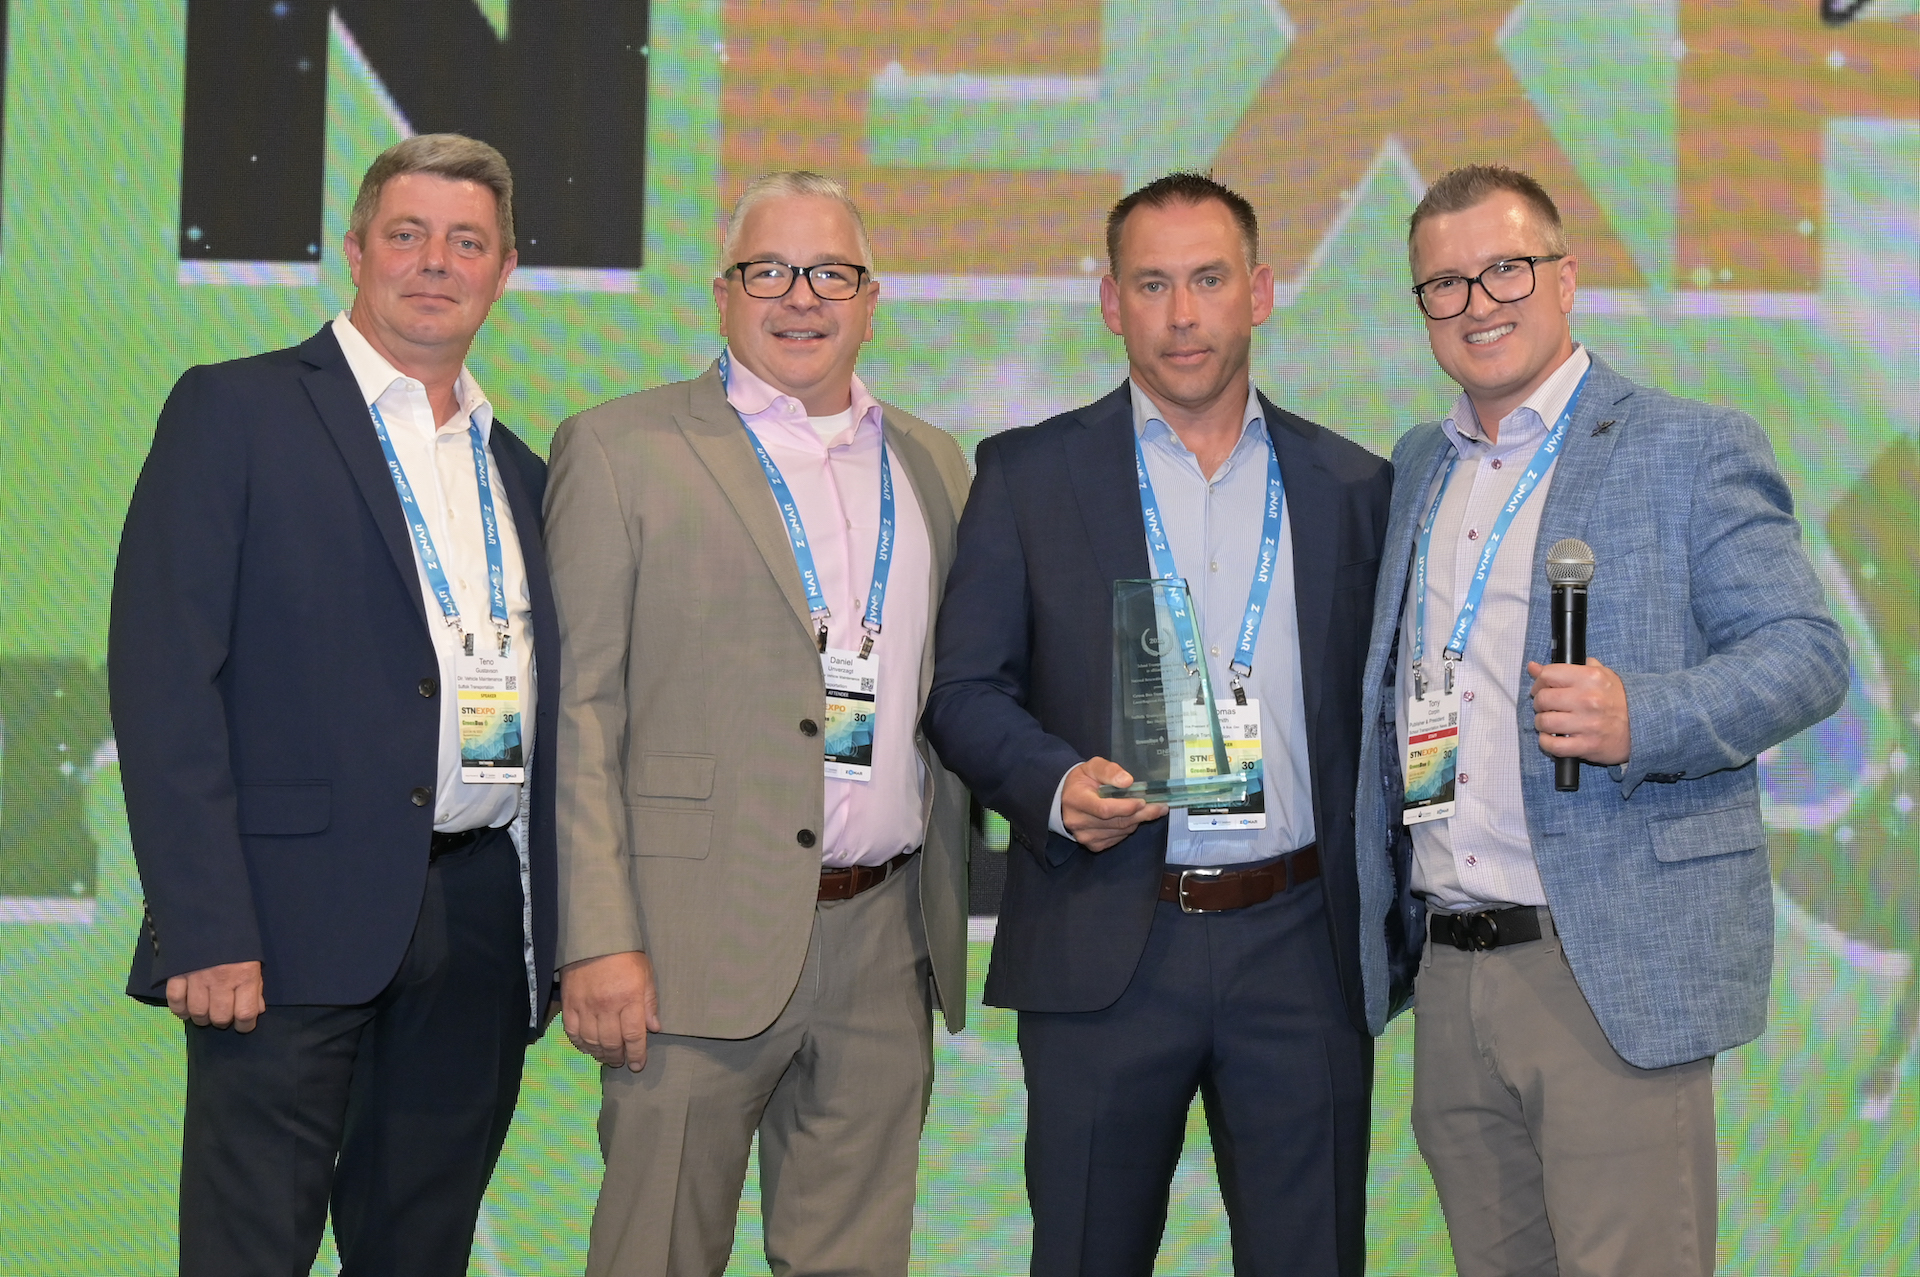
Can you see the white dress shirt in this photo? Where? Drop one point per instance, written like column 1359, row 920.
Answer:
column 438, row 460
column 1482, row 856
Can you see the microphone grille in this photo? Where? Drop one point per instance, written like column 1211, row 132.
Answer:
column 1570, row 562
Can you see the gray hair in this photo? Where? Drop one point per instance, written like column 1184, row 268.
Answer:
column 1458, row 190
column 449, row 155
column 789, row 182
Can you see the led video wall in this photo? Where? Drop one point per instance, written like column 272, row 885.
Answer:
column 1741, row 180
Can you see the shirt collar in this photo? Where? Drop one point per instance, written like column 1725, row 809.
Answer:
column 377, row 378
column 1527, row 423
column 753, row 398
column 1150, row 424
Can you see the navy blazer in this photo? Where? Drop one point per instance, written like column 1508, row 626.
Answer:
column 275, row 689
column 1022, row 688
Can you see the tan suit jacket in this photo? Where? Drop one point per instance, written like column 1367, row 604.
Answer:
column 688, row 664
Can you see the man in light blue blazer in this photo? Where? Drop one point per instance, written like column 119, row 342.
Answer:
column 1580, row 956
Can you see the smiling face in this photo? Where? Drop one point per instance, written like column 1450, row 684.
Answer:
column 1185, row 304
column 1499, row 352
column 430, row 267
column 798, row 344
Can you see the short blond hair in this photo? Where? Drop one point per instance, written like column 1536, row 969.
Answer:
column 450, row 155
column 1460, row 189
column 788, row 182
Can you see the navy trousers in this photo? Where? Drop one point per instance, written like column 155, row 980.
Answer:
column 392, row 1113
column 1243, row 1007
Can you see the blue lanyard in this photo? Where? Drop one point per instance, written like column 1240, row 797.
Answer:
column 803, row 554
column 423, row 539
column 1242, row 664
column 1164, row 566
column 1470, row 609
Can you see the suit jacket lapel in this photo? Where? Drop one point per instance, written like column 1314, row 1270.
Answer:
column 1412, row 491
column 1100, row 469
column 715, row 433
column 936, row 509
column 336, row 397
column 1313, row 503
column 1576, row 480
column 533, row 554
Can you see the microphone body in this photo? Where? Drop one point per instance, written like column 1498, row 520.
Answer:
column 1569, row 571
column 1569, row 648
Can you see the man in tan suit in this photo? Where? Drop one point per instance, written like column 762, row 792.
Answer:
column 762, row 863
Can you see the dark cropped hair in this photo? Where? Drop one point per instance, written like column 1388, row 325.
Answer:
column 1458, row 190
column 1183, row 188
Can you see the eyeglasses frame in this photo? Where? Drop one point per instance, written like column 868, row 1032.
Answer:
column 1533, row 270
column 861, row 276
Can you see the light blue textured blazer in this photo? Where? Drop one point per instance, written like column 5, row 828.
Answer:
column 1706, row 605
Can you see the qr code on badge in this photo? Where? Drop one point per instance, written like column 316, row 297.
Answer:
column 513, row 682
column 866, row 685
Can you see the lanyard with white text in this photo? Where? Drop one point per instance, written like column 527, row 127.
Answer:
column 1543, row 458
column 1271, row 524
column 803, row 554
column 1163, row 565
column 1241, row 666
column 423, row 539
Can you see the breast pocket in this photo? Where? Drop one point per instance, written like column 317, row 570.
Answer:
column 661, row 817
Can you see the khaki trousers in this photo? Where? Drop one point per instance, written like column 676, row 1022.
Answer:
column 1552, row 1155
column 836, row 1088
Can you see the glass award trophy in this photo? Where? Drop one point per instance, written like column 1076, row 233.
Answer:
column 1166, row 732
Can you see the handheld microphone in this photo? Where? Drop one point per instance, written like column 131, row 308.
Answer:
column 1569, row 571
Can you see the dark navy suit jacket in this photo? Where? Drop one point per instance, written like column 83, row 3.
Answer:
column 275, row 689
column 1022, row 686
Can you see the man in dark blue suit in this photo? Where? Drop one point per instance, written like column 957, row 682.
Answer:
column 327, row 611
column 1154, row 953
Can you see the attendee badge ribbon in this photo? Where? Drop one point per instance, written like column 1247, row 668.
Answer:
column 1239, row 717
column 852, row 678
column 486, row 676
column 1432, row 745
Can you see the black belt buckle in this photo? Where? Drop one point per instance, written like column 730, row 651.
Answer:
column 1482, row 931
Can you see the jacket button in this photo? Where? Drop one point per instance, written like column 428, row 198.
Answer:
column 429, row 686
column 421, row 796
column 805, row 838
column 809, row 728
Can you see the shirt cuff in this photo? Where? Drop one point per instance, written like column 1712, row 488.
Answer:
column 1054, row 820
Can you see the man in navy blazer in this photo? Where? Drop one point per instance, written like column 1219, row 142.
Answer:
column 1152, row 954
column 349, row 882
column 1588, row 952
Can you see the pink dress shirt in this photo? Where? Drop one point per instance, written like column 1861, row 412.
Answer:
column 836, row 483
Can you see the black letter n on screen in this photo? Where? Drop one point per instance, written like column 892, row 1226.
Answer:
column 563, row 96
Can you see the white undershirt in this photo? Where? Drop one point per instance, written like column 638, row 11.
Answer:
column 830, row 428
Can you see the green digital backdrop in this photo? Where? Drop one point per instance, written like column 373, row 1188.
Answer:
column 1742, row 184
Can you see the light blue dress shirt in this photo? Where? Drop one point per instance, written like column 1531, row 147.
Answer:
column 1214, row 527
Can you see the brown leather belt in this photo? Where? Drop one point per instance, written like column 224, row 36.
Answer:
column 845, row 884
column 1205, row 890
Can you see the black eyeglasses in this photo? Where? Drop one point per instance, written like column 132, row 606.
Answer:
column 1510, row 280
column 830, row 281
